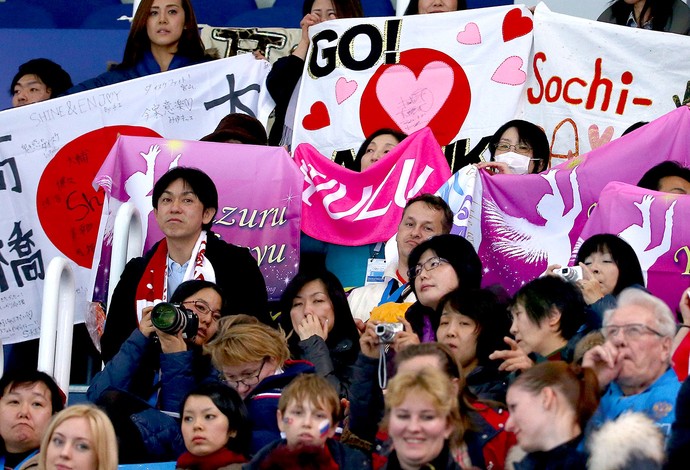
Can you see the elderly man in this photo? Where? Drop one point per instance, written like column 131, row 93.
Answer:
column 424, row 217
column 633, row 365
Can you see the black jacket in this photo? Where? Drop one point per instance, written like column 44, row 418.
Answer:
column 237, row 274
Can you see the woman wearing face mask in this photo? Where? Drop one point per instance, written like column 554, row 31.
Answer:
column 518, row 147
column 151, row 373
column 322, row 331
column 423, row 7
column 609, row 265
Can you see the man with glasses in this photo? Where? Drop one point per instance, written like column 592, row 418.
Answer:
column 424, row 216
column 633, row 365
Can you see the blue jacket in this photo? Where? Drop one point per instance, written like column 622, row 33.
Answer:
column 262, row 403
column 345, row 457
column 133, row 370
column 147, row 66
column 658, row 402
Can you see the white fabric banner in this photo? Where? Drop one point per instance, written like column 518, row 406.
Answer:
column 50, row 153
column 460, row 73
column 588, row 81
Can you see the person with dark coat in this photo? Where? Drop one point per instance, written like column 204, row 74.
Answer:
column 185, row 201
column 163, row 36
column 151, row 374
column 309, row 410
column 322, row 331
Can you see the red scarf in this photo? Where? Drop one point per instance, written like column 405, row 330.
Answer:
column 220, row 458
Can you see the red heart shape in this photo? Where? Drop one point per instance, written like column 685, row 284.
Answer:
column 317, row 118
column 515, row 25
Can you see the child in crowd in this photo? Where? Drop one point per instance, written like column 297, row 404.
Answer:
column 308, row 412
column 215, row 428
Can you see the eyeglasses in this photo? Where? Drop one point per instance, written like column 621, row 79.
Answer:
column 428, row 265
column 202, row 307
column 248, row 380
column 522, row 149
column 630, row 331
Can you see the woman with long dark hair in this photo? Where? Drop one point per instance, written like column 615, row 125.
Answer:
column 164, row 36
column 671, row 16
column 323, row 332
column 518, row 147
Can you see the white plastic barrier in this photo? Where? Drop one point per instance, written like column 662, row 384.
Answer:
column 57, row 322
column 128, row 242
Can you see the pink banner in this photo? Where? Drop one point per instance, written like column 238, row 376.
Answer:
column 530, row 221
column 258, row 194
column 656, row 225
column 349, row 208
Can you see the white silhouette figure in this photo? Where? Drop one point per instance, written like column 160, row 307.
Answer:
column 640, row 236
column 516, row 237
column 139, row 185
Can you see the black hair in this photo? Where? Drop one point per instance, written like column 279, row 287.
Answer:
column 413, row 7
column 629, row 269
column 459, row 253
column 344, row 327
column 661, row 12
column 490, row 315
column 529, row 134
column 200, row 182
column 437, row 203
column 49, row 72
column 343, row 8
column 543, row 294
column 652, row 178
column 399, row 136
column 228, row 402
column 634, row 127
column 191, row 287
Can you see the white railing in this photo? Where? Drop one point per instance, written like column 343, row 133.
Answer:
column 128, row 242
column 57, row 322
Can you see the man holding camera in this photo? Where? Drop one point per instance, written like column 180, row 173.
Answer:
column 424, row 216
column 185, row 200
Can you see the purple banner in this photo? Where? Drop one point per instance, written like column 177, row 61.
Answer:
column 259, row 195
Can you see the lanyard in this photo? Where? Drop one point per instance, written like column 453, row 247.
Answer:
column 19, row 465
column 392, row 292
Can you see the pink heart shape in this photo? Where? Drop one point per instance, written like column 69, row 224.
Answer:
column 344, row 88
column 509, row 72
column 595, row 140
column 412, row 102
column 470, row 35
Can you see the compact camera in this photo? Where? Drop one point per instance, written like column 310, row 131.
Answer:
column 387, row 331
column 570, row 274
column 173, row 318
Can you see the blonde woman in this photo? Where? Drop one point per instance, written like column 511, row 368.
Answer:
column 423, row 421
column 80, row 437
column 253, row 359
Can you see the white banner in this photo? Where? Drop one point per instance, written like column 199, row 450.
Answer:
column 589, row 81
column 460, row 73
column 50, row 153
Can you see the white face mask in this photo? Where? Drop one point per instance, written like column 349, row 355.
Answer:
column 518, row 164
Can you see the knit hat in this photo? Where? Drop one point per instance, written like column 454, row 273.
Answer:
column 241, row 127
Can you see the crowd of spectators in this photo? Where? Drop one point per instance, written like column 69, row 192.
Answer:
column 198, row 371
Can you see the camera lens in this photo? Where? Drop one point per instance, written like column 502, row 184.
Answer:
column 168, row 318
